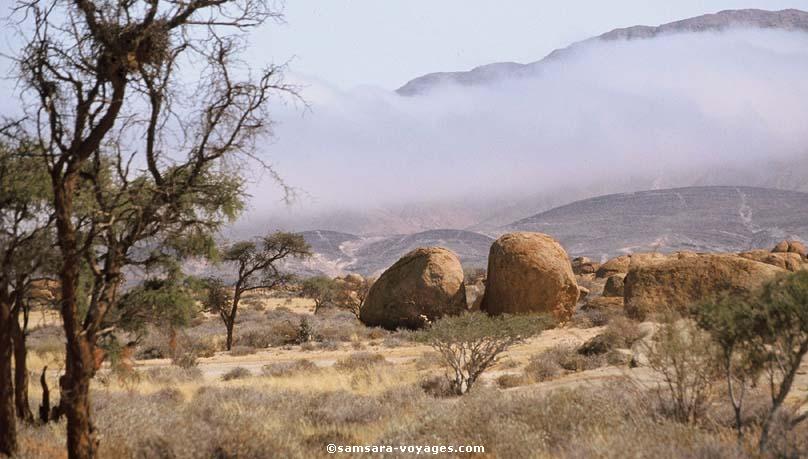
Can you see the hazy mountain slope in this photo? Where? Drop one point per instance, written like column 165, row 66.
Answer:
column 747, row 18
column 696, row 218
column 472, row 248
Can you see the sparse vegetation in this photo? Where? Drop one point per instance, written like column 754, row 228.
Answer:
column 766, row 333
column 685, row 356
column 288, row 369
column 360, row 361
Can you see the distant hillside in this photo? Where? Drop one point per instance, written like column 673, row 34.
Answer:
column 337, row 253
column 724, row 20
column 718, row 218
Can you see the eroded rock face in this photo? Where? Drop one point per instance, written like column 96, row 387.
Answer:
column 424, row 285
column 678, row 284
column 529, row 273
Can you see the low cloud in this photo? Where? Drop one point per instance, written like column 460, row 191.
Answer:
column 665, row 111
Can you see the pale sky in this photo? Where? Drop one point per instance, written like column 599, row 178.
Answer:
column 388, row 42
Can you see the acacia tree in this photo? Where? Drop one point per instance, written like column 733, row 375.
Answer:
column 24, row 219
column 471, row 343
column 257, row 268
column 109, row 95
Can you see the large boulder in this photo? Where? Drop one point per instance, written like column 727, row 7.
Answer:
column 678, row 284
column 791, row 247
column 424, row 285
column 529, row 272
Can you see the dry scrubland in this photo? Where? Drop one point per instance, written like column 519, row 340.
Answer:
column 359, row 385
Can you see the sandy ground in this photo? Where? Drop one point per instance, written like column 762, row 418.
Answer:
column 512, row 362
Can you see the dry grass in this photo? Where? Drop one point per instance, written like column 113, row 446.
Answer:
column 285, row 402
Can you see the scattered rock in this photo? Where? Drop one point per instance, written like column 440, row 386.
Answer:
column 678, row 284
column 529, row 272
column 424, row 285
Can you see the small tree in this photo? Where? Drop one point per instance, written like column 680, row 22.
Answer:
column 685, row 357
column 780, row 335
column 471, row 343
column 727, row 321
column 346, row 293
column 768, row 333
column 257, row 267
column 322, row 290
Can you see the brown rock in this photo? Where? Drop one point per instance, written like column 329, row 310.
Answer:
column 424, row 285
column 618, row 265
column 798, row 248
column 529, row 272
column 614, row 286
column 641, row 259
column 678, row 284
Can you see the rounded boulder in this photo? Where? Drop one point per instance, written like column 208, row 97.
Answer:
column 423, row 286
column 529, row 273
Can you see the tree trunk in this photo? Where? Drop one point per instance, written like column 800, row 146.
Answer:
column 79, row 362
column 8, row 423
column 21, row 403
column 82, row 441
column 229, row 342
column 230, row 322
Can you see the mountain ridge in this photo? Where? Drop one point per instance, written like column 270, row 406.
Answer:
column 788, row 19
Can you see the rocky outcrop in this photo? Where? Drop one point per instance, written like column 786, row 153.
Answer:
column 529, row 273
column 424, row 285
column 678, row 284
column 791, row 247
column 784, row 260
